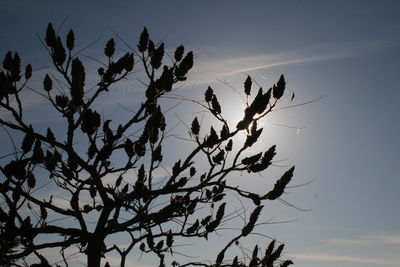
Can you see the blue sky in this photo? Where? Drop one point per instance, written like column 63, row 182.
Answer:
column 346, row 52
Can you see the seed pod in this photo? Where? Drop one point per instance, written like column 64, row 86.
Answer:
column 247, row 85
column 179, row 53
column 270, row 249
column 59, row 52
column 110, row 48
column 28, row 71
column 156, row 155
column 251, row 160
column 129, row 62
column 50, row 36
column 92, row 150
column 195, row 126
column 160, row 244
column 78, row 82
column 269, row 155
column 16, row 168
column 185, row 66
column 166, row 80
column 219, row 157
column 141, row 173
column 192, row 171
column 7, row 62
column 176, row 168
column 90, row 121
column 259, row 104
column 193, row 228
column 47, row 83
column 254, row 258
column 224, row 132
column 43, row 212
column 235, row 262
column 157, row 57
column 214, row 224
column 50, row 136
column 251, row 139
column 276, row 254
column 31, row 180
column 170, row 240
column 216, row 107
column 128, row 146
column 212, row 138
column 252, row 221
column 280, row 185
column 37, row 155
column 70, row 40
column 286, row 263
column 62, row 101
column 151, row 48
column 16, row 68
column 228, row 146
column 16, row 194
column 28, row 141
column 205, row 220
column 279, row 88
column 125, row 189
column 144, row 38
column 208, row 95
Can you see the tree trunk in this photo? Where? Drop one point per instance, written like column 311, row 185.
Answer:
column 94, row 251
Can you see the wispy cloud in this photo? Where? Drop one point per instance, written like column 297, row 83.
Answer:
column 376, row 249
column 219, row 68
column 370, row 240
column 348, row 259
column 208, row 69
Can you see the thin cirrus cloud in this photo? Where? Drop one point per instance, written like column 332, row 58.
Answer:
column 208, row 68
column 372, row 243
column 347, row 259
column 371, row 240
column 214, row 68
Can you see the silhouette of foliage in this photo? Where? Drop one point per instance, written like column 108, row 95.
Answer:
column 108, row 174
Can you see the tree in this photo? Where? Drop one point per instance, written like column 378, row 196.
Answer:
column 83, row 157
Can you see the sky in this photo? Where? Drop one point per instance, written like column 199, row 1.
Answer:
column 343, row 53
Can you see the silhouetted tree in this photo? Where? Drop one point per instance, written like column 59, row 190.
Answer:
column 82, row 158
